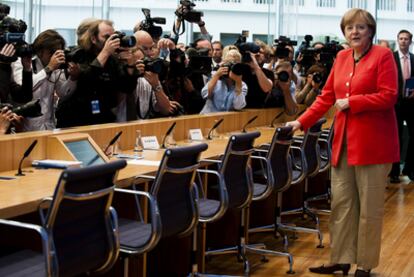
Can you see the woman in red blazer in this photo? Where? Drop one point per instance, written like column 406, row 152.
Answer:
column 363, row 88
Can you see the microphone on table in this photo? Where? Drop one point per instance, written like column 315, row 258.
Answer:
column 25, row 155
column 248, row 122
column 215, row 126
column 169, row 131
column 272, row 124
column 113, row 140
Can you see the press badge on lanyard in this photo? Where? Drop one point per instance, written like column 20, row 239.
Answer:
column 95, row 107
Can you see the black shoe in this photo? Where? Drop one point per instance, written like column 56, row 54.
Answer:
column 394, row 179
column 331, row 269
column 362, row 273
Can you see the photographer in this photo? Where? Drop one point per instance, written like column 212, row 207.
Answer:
column 101, row 77
column 49, row 79
column 259, row 80
column 312, row 85
column 10, row 90
column 148, row 99
column 7, row 118
column 217, row 52
column 225, row 91
column 283, row 91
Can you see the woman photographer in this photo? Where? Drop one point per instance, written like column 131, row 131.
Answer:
column 225, row 91
column 311, row 85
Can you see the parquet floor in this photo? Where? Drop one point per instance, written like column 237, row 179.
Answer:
column 397, row 255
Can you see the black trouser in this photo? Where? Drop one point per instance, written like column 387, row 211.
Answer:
column 405, row 112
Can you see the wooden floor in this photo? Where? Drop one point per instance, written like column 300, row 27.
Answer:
column 397, row 255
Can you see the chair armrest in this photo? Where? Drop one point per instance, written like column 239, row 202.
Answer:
column 150, row 177
column 303, row 165
column 210, row 161
column 48, row 253
column 44, row 204
column 258, row 158
column 155, row 219
column 261, row 150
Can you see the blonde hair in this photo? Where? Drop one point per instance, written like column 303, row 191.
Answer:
column 354, row 14
column 233, row 55
column 227, row 48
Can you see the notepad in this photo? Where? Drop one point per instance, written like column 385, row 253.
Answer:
column 144, row 162
column 56, row 164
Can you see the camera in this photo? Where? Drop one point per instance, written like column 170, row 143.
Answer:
column 281, row 51
column 153, row 65
column 72, row 54
column 148, row 24
column 125, row 41
column 30, row 109
column 199, row 61
column 329, row 51
column 245, row 48
column 283, row 76
column 237, row 68
column 308, row 54
column 12, row 31
column 186, row 12
column 317, row 77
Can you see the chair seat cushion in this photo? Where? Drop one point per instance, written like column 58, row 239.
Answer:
column 132, row 233
column 208, row 207
column 258, row 189
column 23, row 263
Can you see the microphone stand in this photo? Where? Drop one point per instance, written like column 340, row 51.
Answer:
column 272, row 124
column 248, row 122
column 215, row 126
column 25, row 155
column 169, row 131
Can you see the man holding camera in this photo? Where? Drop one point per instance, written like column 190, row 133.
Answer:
column 49, row 78
column 102, row 76
column 148, row 100
column 259, row 80
column 306, row 93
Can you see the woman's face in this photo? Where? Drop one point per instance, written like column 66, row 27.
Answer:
column 358, row 35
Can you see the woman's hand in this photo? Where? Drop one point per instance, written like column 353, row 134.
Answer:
column 295, row 125
column 342, row 104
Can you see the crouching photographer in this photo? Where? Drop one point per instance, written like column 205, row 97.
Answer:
column 283, row 91
column 312, row 85
column 226, row 91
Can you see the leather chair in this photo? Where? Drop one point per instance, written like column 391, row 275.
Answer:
column 172, row 199
column 79, row 231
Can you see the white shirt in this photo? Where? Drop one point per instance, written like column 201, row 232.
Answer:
column 145, row 93
column 44, row 87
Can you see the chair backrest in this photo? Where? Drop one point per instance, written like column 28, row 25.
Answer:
column 80, row 221
column 280, row 159
column 311, row 149
column 325, row 144
column 235, row 167
column 174, row 189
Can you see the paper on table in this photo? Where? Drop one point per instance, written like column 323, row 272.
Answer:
column 144, row 162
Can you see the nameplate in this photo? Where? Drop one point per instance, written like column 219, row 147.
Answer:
column 196, row 134
column 150, row 142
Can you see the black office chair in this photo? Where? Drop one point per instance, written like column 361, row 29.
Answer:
column 278, row 175
column 172, row 199
column 235, row 168
column 79, row 232
column 325, row 146
column 306, row 159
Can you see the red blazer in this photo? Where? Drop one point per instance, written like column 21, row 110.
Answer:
column 369, row 125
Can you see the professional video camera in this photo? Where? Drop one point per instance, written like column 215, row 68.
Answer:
column 199, row 61
column 329, row 51
column 12, row 31
column 148, row 24
column 281, row 43
column 125, row 41
column 186, row 12
column 245, row 48
column 30, row 109
column 308, row 54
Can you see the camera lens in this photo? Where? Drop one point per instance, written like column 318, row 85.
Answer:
column 317, row 77
column 283, row 76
